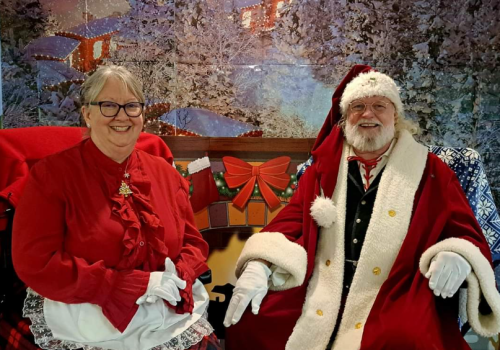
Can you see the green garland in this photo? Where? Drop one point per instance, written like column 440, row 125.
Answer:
column 230, row 193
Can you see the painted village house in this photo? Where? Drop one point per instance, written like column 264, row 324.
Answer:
column 66, row 56
column 259, row 14
column 54, row 56
column 94, row 37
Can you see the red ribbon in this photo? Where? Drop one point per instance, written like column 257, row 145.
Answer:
column 272, row 172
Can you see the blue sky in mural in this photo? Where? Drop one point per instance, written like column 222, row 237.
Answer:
column 302, row 95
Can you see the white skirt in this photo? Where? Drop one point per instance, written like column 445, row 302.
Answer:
column 63, row 326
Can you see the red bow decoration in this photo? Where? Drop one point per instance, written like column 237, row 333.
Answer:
column 271, row 173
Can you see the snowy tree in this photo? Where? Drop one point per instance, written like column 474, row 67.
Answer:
column 145, row 45
column 21, row 22
column 211, row 41
column 311, row 30
column 274, row 124
column 62, row 106
column 20, row 97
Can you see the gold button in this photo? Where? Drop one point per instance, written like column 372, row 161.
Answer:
column 358, row 220
column 327, row 263
column 392, row 213
column 319, row 312
column 358, row 325
column 363, row 202
column 377, row 271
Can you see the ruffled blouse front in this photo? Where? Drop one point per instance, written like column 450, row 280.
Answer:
column 143, row 227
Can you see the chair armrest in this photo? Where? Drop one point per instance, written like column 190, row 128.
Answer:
column 206, row 278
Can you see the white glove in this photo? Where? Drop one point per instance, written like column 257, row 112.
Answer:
column 447, row 272
column 251, row 286
column 163, row 285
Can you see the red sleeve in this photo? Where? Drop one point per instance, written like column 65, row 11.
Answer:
column 42, row 263
column 190, row 263
column 290, row 219
column 461, row 222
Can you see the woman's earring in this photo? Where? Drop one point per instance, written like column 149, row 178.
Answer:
column 88, row 125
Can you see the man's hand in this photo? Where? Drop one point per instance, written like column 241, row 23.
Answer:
column 251, row 286
column 447, row 272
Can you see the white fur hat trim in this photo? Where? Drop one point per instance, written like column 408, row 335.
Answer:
column 372, row 84
column 323, row 211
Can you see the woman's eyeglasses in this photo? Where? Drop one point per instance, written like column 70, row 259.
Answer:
column 111, row 109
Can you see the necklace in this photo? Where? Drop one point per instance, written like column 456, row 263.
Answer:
column 124, row 188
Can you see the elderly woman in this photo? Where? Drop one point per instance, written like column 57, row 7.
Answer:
column 105, row 239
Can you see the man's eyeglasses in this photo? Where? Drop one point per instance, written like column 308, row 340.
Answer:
column 111, row 109
column 359, row 107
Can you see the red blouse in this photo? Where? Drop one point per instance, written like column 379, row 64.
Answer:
column 77, row 240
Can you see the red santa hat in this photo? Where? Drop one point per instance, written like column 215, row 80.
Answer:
column 369, row 84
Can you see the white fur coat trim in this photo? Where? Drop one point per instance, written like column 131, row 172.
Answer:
column 383, row 241
column 198, row 165
column 280, row 251
column 323, row 211
column 320, row 311
column 481, row 281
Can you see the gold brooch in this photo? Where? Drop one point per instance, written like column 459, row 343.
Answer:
column 124, row 189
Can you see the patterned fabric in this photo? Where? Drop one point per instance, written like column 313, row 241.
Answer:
column 467, row 165
column 209, row 342
column 15, row 333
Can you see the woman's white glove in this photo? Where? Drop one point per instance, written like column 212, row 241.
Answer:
column 447, row 272
column 164, row 285
column 251, row 286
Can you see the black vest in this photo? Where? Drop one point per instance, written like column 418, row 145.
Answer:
column 359, row 209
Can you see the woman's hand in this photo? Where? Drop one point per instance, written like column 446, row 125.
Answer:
column 164, row 285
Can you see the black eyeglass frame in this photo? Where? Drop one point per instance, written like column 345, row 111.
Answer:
column 100, row 103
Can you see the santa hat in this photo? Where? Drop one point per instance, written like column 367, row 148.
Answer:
column 372, row 84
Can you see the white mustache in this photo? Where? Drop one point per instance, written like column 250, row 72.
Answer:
column 365, row 121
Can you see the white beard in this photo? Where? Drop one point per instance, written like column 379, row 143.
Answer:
column 365, row 142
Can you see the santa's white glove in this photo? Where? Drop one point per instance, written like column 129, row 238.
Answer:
column 447, row 272
column 251, row 286
column 164, row 285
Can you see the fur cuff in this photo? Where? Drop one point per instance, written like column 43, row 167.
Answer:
column 278, row 250
column 480, row 281
column 198, row 165
column 324, row 211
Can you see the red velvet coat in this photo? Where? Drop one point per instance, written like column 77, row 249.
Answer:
column 405, row 313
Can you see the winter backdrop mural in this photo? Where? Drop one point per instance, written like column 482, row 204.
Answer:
column 261, row 68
